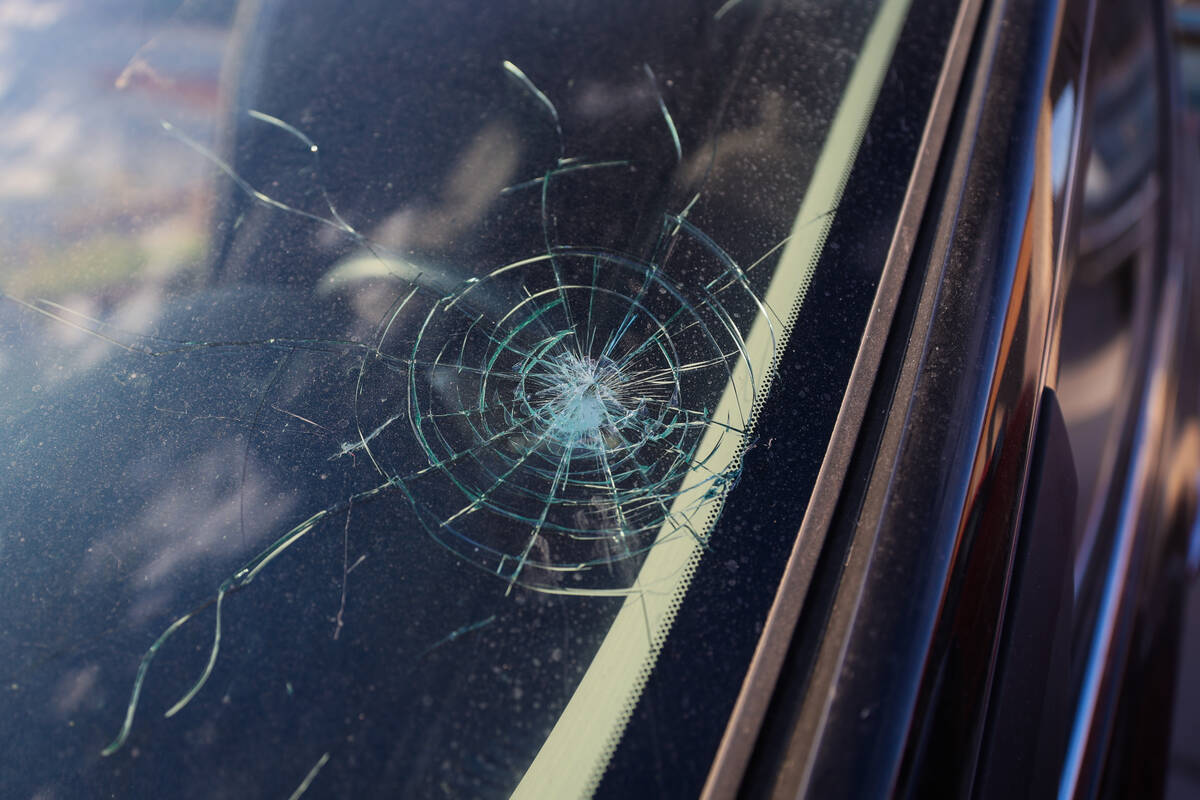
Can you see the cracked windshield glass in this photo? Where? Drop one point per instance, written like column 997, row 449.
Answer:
column 379, row 382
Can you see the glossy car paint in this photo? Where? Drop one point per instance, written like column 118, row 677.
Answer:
column 943, row 647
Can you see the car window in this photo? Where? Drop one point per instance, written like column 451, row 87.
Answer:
column 397, row 397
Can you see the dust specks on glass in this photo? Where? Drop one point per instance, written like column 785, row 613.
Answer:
column 547, row 416
column 376, row 377
column 549, row 421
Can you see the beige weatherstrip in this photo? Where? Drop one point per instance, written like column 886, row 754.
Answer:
column 578, row 749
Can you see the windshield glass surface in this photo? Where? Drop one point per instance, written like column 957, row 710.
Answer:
column 382, row 382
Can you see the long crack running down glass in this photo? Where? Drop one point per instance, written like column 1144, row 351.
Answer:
column 550, row 421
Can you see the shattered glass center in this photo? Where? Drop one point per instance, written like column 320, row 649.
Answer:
column 559, row 406
column 581, row 399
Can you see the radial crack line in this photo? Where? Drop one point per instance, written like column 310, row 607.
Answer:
column 474, row 504
column 537, row 529
column 239, row 579
column 662, row 106
column 519, row 75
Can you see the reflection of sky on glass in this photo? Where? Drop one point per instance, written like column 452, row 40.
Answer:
column 554, row 449
column 98, row 209
column 91, row 192
column 302, row 299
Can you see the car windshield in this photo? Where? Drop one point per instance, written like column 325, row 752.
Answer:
column 419, row 399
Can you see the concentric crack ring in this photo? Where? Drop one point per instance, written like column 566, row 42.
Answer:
column 559, row 404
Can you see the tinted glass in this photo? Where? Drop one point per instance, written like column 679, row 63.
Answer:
column 386, row 386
